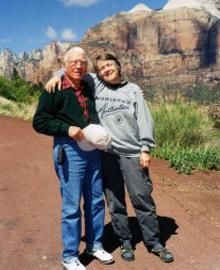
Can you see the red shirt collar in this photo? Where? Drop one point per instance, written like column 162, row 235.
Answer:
column 66, row 82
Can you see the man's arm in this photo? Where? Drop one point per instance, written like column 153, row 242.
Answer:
column 44, row 120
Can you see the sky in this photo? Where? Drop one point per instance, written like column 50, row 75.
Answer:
column 27, row 25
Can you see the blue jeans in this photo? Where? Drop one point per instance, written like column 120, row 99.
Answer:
column 80, row 174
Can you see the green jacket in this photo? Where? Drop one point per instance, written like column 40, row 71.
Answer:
column 57, row 111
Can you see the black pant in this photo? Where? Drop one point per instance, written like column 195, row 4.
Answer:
column 117, row 171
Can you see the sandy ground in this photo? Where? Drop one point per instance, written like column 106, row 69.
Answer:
column 188, row 210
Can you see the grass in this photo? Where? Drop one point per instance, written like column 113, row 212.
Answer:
column 182, row 123
column 184, row 160
column 18, row 110
column 186, row 137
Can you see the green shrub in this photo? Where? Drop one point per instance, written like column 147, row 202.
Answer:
column 203, row 93
column 185, row 159
column 18, row 89
column 184, row 136
column 182, row 124
column 19, row 110
column 6, row 89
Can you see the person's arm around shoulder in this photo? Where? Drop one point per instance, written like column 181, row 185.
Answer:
column 55, row 81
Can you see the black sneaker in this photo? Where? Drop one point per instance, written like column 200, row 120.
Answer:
column 164, row 254
column 127, row 254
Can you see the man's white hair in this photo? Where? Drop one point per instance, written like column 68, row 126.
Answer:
column 73, row 50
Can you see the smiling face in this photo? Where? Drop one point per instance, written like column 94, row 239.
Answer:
column 76, row 65
column 109, row 71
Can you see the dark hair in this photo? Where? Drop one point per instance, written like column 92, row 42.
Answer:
column 105, row 57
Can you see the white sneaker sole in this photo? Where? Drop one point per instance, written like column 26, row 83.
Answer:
column 101, row 261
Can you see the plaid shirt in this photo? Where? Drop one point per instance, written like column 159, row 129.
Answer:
column 66, row 83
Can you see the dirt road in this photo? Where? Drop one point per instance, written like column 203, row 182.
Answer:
column 188, row 209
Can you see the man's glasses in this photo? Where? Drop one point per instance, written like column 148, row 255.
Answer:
column 77, row 62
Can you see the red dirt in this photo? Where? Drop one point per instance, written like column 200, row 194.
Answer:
column 188, row 209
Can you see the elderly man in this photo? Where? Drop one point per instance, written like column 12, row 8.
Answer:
column 64, row 114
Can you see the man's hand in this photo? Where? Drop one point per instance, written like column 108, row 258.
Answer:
column 52, row 83
column 145, row 159
column 76, row 133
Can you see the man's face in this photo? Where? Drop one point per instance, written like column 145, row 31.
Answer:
column 76, row 66
column 109, row 71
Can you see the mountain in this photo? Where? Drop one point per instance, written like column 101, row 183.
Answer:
column 212, row 6
column 140, row 8
column 175, row 45
column 166, row 46
column 36, row 66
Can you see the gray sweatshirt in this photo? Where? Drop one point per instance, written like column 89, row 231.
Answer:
column 124, row 114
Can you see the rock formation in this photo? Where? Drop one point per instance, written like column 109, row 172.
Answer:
column 212, row 6
column 140, row 8
column 38, row 65
column 174, row 45
column 7, row 61
column 161, row 46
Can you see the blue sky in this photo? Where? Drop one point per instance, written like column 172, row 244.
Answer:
column 30, row 24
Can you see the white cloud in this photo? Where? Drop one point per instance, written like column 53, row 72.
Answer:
column 51, row 33
column 82, row 3
column 6, row 40
column 31, row 40
column 68, row 34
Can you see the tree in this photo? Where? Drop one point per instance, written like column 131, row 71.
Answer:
column 15, row 76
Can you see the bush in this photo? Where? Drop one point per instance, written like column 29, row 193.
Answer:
column 19, row 110
column 19, row 90
column 184, row 160
column 6, row 89
column 203, row 93
column 184, row 132
column 181, row 124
